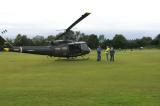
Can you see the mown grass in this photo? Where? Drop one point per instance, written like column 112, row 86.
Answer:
column 33, row 80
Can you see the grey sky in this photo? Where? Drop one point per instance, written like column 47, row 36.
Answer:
column 133, row 18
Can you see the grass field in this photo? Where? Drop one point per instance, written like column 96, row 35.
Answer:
column 33, row 80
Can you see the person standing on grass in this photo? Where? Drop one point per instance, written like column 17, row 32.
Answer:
column 99, row 53
column 107, row 51
column 112, row 52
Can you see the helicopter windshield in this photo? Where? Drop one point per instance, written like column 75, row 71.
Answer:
column 84, row 47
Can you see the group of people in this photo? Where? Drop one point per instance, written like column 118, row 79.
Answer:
column 109, row 54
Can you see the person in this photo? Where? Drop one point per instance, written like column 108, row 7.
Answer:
column 99, row 53
column 0, row 48
column 112, row 52
column 107, row 53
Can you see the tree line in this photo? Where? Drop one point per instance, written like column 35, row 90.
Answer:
column 119, row 41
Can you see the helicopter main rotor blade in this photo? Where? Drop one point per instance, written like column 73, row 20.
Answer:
column 71, row 26
column 59, row 36
column 77, row 21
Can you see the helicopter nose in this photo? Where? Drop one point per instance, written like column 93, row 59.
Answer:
column 88, row 50
column 85, row 49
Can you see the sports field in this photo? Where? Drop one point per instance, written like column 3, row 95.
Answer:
column 34, row 80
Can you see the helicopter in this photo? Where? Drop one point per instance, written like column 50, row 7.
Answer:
column 58, row 48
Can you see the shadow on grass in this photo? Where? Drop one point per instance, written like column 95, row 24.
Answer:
column 71, row 59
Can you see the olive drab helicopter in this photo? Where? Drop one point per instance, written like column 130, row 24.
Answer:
column 58, row 48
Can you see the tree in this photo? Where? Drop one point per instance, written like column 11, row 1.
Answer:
column 146, row 41
column 93, row 41
column 22, row 40
column 11, row 41
column 18, row 40
column 119, row 41
column 131, row 44
column 83, row 37
column 70, row 35
column 156, row 40
column 51, row 38
column 101, row 39
column 39, row 41
column 77, row 35
column 158, row 37
column 106, row 42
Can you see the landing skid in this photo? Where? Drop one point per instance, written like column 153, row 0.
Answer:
column 84, row 57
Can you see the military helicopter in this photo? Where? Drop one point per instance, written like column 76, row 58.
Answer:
column 58, row 48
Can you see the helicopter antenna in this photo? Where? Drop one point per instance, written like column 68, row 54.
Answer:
column 72, row 25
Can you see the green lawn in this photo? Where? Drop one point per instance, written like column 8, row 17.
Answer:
column 33, row 80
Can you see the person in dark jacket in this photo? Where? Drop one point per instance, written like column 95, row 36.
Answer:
column 99, row 53
column 112, row 52
column 1, row 48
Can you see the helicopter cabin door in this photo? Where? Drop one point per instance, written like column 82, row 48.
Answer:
column 61, row 51
column 74, row 49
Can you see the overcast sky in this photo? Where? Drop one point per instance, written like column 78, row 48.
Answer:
column 133, row 18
